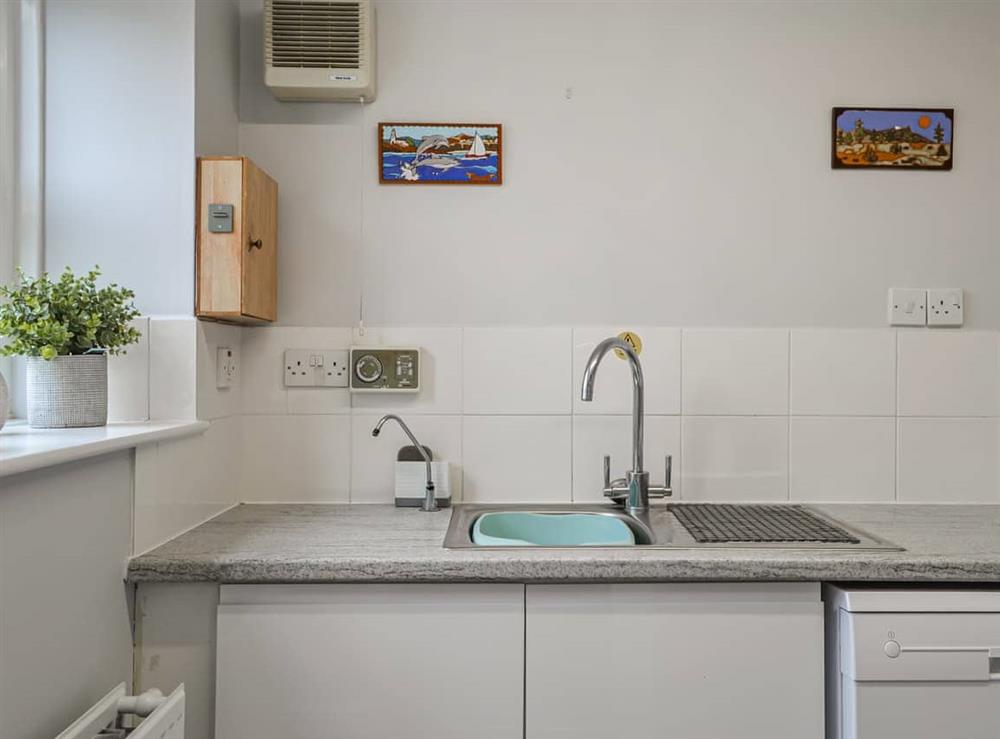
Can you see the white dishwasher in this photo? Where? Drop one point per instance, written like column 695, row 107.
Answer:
column 912, row 663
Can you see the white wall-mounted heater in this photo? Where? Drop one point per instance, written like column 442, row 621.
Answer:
column 320, row 50
column 162, row 718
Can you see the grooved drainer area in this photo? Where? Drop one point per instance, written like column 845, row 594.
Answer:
column 721, row 523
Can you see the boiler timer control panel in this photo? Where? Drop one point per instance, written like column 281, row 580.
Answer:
column 384, row 369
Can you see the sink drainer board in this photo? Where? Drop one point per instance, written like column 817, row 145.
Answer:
column 722, row 523
column 673, row 526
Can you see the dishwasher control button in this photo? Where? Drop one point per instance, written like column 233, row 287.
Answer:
column 891, row 649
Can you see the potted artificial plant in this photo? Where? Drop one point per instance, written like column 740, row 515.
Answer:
column 66, row 329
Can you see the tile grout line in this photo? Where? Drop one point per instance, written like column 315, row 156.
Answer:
column 788, row 425
column 572, row 420
column 350, row 459
column 461, row 416
column 680, row 413
column 895, row 445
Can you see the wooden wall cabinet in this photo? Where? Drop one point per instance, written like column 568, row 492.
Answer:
column 237, row 271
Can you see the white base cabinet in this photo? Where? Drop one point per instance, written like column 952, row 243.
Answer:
column 674, row 661
column 657, row 661
column 370, row 662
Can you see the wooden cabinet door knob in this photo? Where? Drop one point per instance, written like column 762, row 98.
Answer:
column 255, row 244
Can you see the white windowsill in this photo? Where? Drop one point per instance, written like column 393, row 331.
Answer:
column 23, row 448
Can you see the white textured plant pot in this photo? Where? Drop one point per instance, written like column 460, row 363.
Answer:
column 4, row 401
column 67, row 391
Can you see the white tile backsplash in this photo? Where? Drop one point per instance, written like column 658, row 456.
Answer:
column 517, row 370
column 950, row 460
column 768, row 414
column 948, row 373
column 517, row 459
column 734, row 372
column 128, row 379
column 843, row 373
column 318, row 401
column 595, row 436
column 296, row 459
column 181, row 482
column 726, row 459
column 261, row 384
column 214, row 402
column 173, row 367
column 373, row 459
column 842, row 459
column 661, row 368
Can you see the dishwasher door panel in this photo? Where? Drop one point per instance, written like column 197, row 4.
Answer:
column 925, row 710
column 919, row 675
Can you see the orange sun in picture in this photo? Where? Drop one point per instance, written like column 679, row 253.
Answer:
column 924, row 121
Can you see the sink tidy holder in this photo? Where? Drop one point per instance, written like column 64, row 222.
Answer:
column 411, row 479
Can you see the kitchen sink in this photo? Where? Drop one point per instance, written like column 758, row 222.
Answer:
column 557, row 529
column 673, row 526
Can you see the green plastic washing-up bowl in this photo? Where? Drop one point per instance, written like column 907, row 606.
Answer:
column 519, row 529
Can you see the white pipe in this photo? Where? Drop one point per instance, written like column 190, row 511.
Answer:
column 141, row 705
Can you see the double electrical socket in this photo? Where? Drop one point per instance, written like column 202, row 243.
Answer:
column 316, row 368
column 909, row 306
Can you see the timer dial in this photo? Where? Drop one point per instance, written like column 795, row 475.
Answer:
column 368, row 368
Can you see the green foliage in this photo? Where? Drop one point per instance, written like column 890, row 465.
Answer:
column 41, row 318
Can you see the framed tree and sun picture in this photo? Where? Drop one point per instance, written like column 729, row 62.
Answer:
column 893, row 138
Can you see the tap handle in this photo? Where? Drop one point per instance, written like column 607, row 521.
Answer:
column 663, row 491
column 607, row 471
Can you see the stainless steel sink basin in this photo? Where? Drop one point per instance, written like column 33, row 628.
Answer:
column 576, row 528
column 658, row 529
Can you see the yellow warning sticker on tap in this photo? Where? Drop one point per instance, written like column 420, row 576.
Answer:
column 632, row 340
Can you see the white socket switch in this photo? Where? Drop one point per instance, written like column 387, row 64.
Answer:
column 227, row 367
column 907, row 306
column 945, row 306
column 316, row 368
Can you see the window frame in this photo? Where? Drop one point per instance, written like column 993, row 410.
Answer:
column 22, row 163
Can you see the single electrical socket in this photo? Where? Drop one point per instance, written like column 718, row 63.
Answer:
column 907, row 306
column 945, row 306
column 316, row 368
column 227, row 367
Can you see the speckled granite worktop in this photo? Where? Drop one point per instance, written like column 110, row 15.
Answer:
column 361, row 543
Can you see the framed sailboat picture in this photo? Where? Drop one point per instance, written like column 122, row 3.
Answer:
column 440, row 153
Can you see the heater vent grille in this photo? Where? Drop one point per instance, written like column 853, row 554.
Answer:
column 308, row 34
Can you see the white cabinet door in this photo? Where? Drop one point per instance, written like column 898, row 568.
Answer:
column 370, row 662
column 674, row 661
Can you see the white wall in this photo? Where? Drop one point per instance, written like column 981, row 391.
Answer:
column 65, row 641
column 120, row 144
column 686, row 182
column 217, row 76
